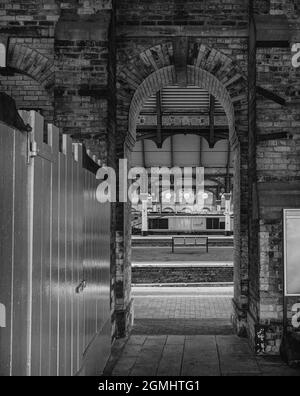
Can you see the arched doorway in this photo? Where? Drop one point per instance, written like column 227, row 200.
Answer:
column 225, row 83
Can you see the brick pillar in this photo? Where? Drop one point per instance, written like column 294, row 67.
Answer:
column 123, row 299
column 82, row 91
column 241, row 273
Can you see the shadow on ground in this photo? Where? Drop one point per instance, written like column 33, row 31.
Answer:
column 191, row 356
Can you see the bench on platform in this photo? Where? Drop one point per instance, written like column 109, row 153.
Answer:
column 189, row 242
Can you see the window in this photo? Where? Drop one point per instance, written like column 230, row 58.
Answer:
column 212, row 224
column 2, row 55
column 158, row 224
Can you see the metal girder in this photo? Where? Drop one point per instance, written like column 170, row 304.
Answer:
column 274, row 136
column 182, row 129
column 271, row 95
column 228, row 177
column 143, row 153
column 212, row 121
column 159, row 119
column 200, row 151
column 220, row 133
column 172, row 151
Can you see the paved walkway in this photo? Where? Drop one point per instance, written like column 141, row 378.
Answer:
column 194, row 356
column 183, row 302
column 200, row 340
column 183, row 327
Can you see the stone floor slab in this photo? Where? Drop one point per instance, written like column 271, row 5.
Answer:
column 137, row 340
column 188, row 356
column 183, row 327
column 175, row 340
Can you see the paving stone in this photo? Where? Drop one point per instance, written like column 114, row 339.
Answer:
column 131, row 350
column 238, row 364
column 144, row 370
column 197, row 356
column 233, row 346
column 121, row 373
column 202, row 339
column 200, row 369
column 127, row 362
column 173, row 350
column 137, row 340
column 157, row 340
column 175, row 340
column 121, row 370
column 148, row 357
column 183, row 307
column 183, row 326
column 169, row 367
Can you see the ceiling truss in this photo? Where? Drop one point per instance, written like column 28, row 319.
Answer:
column 150, row 133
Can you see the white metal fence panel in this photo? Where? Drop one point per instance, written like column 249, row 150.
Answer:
column 55, row 257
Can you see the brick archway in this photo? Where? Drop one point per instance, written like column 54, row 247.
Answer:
column 142, row 76
column 166, row 76
column 32, row 63
column 145, row 73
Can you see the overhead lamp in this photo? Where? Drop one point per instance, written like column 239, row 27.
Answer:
column 168, row 196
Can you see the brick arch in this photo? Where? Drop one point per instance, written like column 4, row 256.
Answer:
column 145, row 73
column 32, row 63
column 166, row 76
column 141, row 64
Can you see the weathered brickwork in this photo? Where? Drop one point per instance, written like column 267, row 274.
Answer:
column 31, row 83
column 231, row 13
column 278, row 173
column 276, row 7
column 81, row 73
column 279, row 7
column 35, row 50
column 137, row 62
column 28, row 94
column 262, row 6
column 29, row 17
